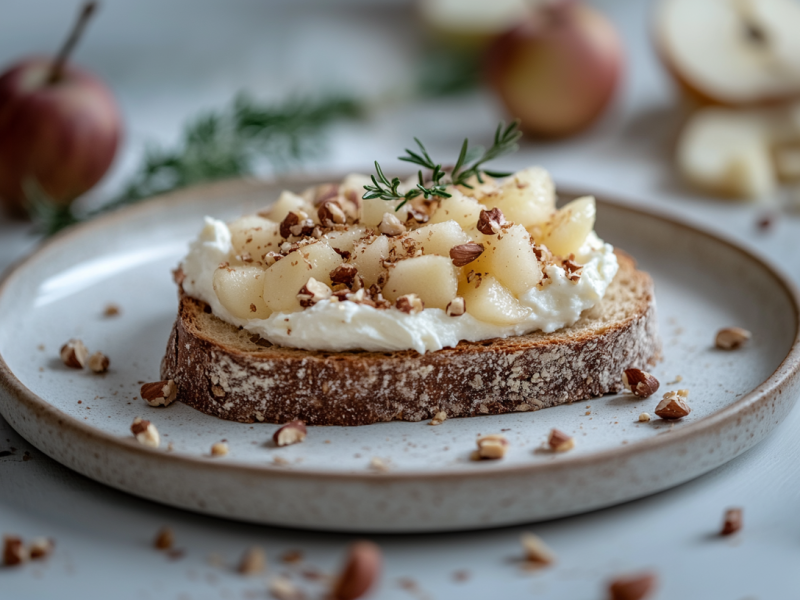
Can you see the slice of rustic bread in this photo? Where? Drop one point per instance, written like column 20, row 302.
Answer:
column 227, row 372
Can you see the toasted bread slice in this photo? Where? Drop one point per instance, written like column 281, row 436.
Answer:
column 229, row 373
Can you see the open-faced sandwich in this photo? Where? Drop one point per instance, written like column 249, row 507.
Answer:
column 462, row 290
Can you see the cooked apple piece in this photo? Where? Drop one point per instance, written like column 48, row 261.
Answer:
column 526, row 198
column 255, row 236
column 284, row 279
column 510, row 258
column 439, row 238
column 432, row 278
column 488, row 300
column 566, row 231
column 368, row 257
column 289, row 202
column 240, row 291
column 372, row 211
column 727, row 152
column 459, row 208
column 346, row 240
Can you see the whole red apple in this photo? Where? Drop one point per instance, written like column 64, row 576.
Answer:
column 59, row 131
column 558, row 69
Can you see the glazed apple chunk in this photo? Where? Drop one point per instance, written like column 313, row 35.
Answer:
column 487, row 243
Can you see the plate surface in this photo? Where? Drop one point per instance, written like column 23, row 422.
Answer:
column 82, row 420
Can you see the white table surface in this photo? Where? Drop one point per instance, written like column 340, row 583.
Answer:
column 167, row 60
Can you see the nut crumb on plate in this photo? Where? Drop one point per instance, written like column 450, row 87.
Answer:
column 254, row 561
column 219, row 449
column 14, row 551
column 673, row 405
column 292, row 432
column 439, row 418
column 731, row 338
column 40, row 548
column 74, row 354
column 536, row 551
column 98, row 362
column 491, row 447
column 291, row 557
column 361, row 572
column 558, row 441
column 644, row 417
column 636, row 587
column 145, row 433
column 378, row 464
column 639, row 383
column 165, row 539
column 159, row 393
column 282, row 588
column 111, row 310
column 732, row 522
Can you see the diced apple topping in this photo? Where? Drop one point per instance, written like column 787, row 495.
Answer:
column 439, row 238
column 478, row 250
column 527, row 198
column 460, row 208
column 568, row 229
column 488, row 300
column 252, row 237
column 285, row 278
column 240, row 291
column 509, row 257
column 432, row 278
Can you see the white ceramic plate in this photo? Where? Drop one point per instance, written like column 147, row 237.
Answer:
column 82, row 420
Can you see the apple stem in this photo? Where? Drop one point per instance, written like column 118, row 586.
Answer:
column 74, row 36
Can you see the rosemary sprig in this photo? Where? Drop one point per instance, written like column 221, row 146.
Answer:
column 469, row 164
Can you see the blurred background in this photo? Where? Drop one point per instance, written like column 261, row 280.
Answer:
column 686, row 103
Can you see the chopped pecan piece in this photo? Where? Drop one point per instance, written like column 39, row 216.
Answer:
column 98, row 362
column 254, row 561
column 293, row 432
column 536, row 551
column 464, row 254
column 456, row 307
column 361, row 572
column 344, row 273
column 560, row 441
column 673, row 406
column 331, row 213
column 639, row 382
column 165, row 539
column 732, row 338
column 637, row 587
column 74, row 354
column 491, row 447
column 14, row 551
column 733, row 521
column 312, row 292
column 159, row 393
column 417, row 215
column 219, row 449
column 145, row 433
column 391, row 225
column 490, row 222
column 410, row 304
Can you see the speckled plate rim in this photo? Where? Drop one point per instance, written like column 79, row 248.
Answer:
column 787, row 373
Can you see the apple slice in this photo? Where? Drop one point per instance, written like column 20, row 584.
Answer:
column 733, row 52
column 470, row 23
column 727, row 152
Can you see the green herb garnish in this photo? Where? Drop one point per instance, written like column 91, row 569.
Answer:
column 469, row 164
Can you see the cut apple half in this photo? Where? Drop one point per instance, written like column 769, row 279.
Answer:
column 732, row 52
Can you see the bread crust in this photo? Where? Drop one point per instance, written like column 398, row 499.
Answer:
column 248, row 382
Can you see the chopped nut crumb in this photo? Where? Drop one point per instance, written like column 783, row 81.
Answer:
column 254, row 561
column 111, row 310
column 491, row 447
column 732, row 338
column 409, row 304
column 536, row 551
column 165, row 539
column 391, row 225
column 291, row 557
column 640, row 383
column 560, row 441
column 490, row 222
column 40, row 548
column 673, row 406
column 636, row 587
column 312, row 292
column 439, row 418
column 74, row 354
column 293, row 432
column 456, row 307
column 14, row 551
column 145, row 433
column 282, row 588
column 644, row 417
column 464, row 254
column 98, row 362
column 378, row 464
column 732, row 522
column 219, row 449
column 159, row 393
